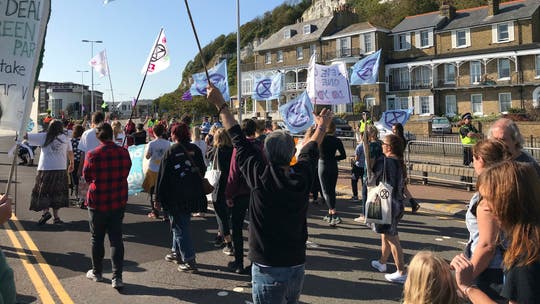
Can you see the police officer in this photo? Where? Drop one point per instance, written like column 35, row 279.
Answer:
column 469, row 135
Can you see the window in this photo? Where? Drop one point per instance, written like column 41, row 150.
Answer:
column 287, row 34
column 299, row 53
column 504, row 68
column 268, row 58
column 451, row 106
column 391, row 103
column 307, row 29
column 502, row 32
column 461, row 39
column 402, row 42
column 449, row 73
column 344, row 47
column 247, row 86
column 424, row 104
column 537, row 65
column 476, row 101
column 312, row 49
column 505, row 101
column 424, row 38
column 403, row 78
column 269, row 106
column 368, row 43
column 404, row 102
column 369, row 101
column 476, row 71
column 280, row 56
column 422, row 77
column 397, row 103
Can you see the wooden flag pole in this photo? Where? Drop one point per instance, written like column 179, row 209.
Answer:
column 198, row 43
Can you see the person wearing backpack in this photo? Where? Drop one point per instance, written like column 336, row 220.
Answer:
column 179, row 191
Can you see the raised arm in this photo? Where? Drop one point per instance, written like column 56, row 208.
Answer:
column 214, row 97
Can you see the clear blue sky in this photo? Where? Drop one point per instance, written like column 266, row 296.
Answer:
column 128, row 29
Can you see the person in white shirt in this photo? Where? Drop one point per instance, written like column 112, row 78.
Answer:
column 196, row 139
column 156, row 150
column 51, row 187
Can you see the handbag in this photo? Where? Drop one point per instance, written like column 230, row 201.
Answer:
column 379, row 202
column 213, row 175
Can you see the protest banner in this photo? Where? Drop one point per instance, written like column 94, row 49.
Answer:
column 366, row 70
column 218, row 77
column 267, row 87
column 298, row 113
column 22, row 30
column 136, row 173
column 328, row 85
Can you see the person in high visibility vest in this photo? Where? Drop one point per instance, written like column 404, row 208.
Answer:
column 469, row 135
column 364, row 122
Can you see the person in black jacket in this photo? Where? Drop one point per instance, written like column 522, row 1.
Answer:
column 221, row 153
column 179, row 191
column 328, row 171
column 278, row 204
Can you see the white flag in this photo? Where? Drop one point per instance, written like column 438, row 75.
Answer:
column 158, row 59
column 99, row 63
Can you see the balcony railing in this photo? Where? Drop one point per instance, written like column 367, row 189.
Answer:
column 295, row 86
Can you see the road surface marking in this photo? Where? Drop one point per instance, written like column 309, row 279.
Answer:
column 49, row 274
column 41, row 289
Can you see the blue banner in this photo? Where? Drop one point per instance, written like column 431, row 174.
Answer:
column 136, row 174
column 366, row 71
column 298, row 114
column 389, row 118
column 267, row 87
column 218, row 77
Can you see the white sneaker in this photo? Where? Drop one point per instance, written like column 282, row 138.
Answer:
column 396, row 277
column 377, row 265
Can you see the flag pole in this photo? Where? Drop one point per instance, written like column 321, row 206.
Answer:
column 110, row 81
column 198, row 43
column 134, row 104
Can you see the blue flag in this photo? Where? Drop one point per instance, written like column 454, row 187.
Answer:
column 267, row 87
column 218, row 77
column 366, row 71
column 297, row 114
column 389, row 118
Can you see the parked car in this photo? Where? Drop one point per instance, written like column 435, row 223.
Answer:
column 440, row 125
column 343, row 129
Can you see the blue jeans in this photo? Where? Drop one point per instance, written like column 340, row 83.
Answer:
column 277, row 285
column 182, row 243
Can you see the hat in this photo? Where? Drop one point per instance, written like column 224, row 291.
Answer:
column 466, row 116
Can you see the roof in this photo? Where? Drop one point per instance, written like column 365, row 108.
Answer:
column 478, row 16
column 277, row 40
column 416, row 22
column 356, row 28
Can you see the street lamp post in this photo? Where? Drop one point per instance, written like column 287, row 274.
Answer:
column 82, row 89
column 91, row 56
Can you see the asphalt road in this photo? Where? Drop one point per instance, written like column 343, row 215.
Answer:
column 50, row 262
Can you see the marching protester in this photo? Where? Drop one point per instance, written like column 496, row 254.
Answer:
column 511, row 191
column 357, row 169
column 486, row 242
column 279, row 195
column 77, row 155
column 391, row 167
column 237, row 194
column 139, row 137
column 328, row 171
column 220, row 157
column 51, row 187
column 397, row 129
column 179, row 191
column 507, row 130
column 88, row 139
column 106, row 169
column 128, row 131
column 118, row 133
column 196, row 139
column 155, row 151
column 205, row 126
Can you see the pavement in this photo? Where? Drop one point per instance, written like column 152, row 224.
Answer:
column 50, row 262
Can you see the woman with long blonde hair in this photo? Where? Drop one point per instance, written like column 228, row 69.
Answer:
column 430, row 281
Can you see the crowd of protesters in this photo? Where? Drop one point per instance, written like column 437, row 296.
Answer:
column 271, row 178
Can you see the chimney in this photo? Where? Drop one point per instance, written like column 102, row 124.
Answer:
column 448, row 10
column 493, row 7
